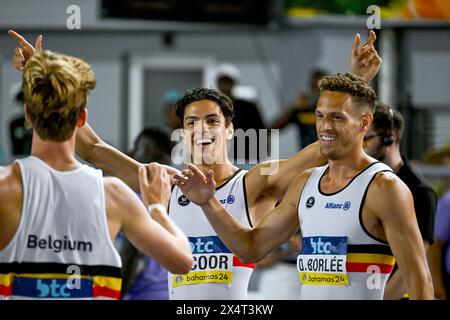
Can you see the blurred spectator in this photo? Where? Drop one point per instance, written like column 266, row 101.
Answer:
column 246, row 113
column 20, row 133
column 143, row 277
column 440, row 250
column 439, row 157
column 439, row 254
column 382, row 141
column 302, row 112
column 170, row 98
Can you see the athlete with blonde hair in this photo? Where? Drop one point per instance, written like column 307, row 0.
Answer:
column 59, row 218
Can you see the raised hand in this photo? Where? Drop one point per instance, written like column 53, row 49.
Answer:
column 154, row 184
column 364, row 60
column 195, row 185
column 25, row 51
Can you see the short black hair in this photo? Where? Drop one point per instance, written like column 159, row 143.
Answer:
column 387, row 119
column 152, row 144
column 224, row 102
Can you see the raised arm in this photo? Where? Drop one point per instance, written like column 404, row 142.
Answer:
column 25, row 51
column 153, row 234
column 397, row 216
column 251, row 245
column 364, row 60
column 269, row 180
column 91, row 148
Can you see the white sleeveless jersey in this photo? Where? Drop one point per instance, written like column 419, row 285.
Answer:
column 339, row 258
column 62, row 248
column 217, row 273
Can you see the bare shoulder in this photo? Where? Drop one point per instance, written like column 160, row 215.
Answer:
column 116, row 191
column 296, row 187
column 264, row 170
column 113, row 184
column 11, row 189
column 10, row 180
column 388, row 184
column 388, row 193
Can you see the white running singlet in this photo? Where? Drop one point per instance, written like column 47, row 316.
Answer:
column 339, row 258
column 217, row 273
column 62, row 248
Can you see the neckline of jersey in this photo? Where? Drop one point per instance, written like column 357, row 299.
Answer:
column 356, row 176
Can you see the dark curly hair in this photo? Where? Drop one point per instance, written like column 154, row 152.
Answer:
column 363, row 94
column 224, row 102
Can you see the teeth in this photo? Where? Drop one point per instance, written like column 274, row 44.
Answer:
column 327, row 138
column 204, row 140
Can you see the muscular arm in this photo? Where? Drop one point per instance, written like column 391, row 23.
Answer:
column 11, row 193
column 91, row 148
column 94, row 150
column 268, row 181
column 251, row 245
column 425, row 208
column 156, row 236
column 397, row 216
column 396, row 288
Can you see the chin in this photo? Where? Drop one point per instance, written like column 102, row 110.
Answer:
column 329, row 154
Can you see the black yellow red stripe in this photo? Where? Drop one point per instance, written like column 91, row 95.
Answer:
column 105, row 281
column 238, row 263
column 364, row 262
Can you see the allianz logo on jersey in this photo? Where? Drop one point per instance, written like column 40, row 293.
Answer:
column 344, row 206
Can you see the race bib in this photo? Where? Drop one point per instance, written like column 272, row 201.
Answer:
column 212, row 263
column 323, row 261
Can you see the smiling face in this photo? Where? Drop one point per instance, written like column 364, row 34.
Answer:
column 205, row 132
column 340, row 124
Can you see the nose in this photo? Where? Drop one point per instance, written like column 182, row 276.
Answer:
column 323, row 124
column 200, row 127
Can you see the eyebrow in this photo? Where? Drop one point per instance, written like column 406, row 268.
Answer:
column 333, row 113
column 207, row 116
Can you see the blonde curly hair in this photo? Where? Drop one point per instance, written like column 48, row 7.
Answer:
column 56, row 89
column 363, row 95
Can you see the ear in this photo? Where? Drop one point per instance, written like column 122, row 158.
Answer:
column 27, row 116
column 366, row 121
column 396, row 137
column 230, row 131
column 82, row 119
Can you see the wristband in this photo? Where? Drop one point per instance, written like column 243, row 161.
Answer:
column 159, row 206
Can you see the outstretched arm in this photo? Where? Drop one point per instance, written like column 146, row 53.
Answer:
column 269, row 180
column 94, row 150
column 251, row 245
column 153, row 234
column 89, row 146
column 397, row 216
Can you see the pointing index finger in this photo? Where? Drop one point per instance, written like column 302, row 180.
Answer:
column 38, row 44
column 356, row 44
column 19, row 38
